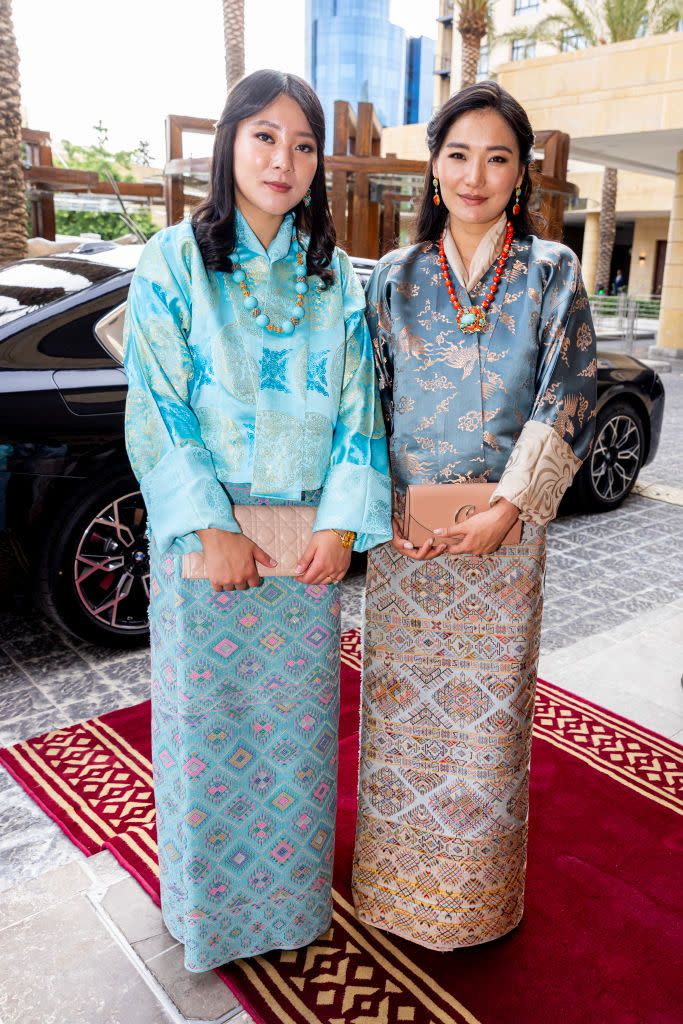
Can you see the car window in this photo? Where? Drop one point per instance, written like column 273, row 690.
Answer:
column 32, row 284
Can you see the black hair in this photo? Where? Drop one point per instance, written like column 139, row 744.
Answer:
column 431, row 219
column 213, row 221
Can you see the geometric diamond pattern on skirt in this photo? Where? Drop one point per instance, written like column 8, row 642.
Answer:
column 449, row 677
column 245, row 709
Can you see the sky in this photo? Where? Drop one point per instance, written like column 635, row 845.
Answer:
column 130, row 63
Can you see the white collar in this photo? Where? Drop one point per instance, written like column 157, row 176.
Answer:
column 484, row 255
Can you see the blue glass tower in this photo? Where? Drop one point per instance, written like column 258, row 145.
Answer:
column 353, row 52
column 420, row 80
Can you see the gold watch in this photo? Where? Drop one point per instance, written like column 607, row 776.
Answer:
column 346, row 537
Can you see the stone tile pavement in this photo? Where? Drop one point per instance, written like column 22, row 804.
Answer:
column 612, row 632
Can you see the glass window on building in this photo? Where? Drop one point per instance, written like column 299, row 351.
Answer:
column 354, row 52
column 523, row 49
column 483, row 64
column 572, row 40
column 522, row 6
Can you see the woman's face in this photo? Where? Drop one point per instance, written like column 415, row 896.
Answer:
column 478, row 167
column 275, row 158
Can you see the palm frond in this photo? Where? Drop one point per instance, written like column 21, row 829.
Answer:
column 584, row 18
column 625, row 19
column 548, row 30
column 665, row 16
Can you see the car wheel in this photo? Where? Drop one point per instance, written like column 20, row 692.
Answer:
column 94, row 568
column 610, row 471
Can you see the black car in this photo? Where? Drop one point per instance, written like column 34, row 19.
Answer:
column 71, row 515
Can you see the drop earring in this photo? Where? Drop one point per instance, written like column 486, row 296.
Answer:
column 516, row 208
column 437, row 198
column 307, row 197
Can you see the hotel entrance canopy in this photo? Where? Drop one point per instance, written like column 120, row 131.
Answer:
column 622, row 106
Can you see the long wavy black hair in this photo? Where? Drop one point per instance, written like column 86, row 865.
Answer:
column 431, row 219
column 213, row 221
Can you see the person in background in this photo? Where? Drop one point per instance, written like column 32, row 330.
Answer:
column 619, row 282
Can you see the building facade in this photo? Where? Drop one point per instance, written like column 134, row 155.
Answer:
column 622, row 106
column 353, row 52
column 419, row 80
column 509, row 16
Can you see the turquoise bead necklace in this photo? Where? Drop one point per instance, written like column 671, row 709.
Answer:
column 296, row 311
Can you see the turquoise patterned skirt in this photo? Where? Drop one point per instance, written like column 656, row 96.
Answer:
column 245, row 707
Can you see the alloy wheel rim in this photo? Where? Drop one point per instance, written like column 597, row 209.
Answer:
column 111, row 566
column 616, row 458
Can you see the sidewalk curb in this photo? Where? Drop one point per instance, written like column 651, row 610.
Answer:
column 660, row 365
column 658, row 492
column 659, row 352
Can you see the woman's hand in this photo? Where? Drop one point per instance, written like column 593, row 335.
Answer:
column 325, row 560
column 428, row 550
column 231, row 558
column 481, row 533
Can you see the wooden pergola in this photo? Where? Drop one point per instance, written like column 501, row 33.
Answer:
column 366, row 189
column 43, row 180
column 368, row 192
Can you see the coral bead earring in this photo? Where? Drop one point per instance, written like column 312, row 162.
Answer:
column 437, row 198
column 516, row 208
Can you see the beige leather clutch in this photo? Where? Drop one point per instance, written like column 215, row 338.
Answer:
column 283, row 531
column 433, row 506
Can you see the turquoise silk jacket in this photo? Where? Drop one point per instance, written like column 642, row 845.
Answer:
column 513, row 405
column 215, row 400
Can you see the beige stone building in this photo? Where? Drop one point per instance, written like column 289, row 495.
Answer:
column 623, row 107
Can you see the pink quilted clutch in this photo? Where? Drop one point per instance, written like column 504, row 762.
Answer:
column 283, row 531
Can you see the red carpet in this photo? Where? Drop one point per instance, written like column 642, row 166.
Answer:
column 603, row 927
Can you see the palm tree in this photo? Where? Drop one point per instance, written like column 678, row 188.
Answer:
column 474, row 23
column 598, row 23
column 13, row 232
column 608, row 229
column 233, row 34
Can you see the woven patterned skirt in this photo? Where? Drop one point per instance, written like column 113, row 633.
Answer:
column 449, row 674
column 245, row 708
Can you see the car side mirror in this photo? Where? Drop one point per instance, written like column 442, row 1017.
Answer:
column 109, row 332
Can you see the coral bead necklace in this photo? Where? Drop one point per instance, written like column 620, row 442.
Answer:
column 472, row 319
column 296, row 311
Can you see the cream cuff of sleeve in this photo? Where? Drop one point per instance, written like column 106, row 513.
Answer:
column 539, row 471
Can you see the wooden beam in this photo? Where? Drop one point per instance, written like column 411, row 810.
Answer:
column 552, row 180
column 350, row 164
column 375, row 165
column 173, row 186
column 65, row 183
column 46, row 217
column 200, row 125
column 376, row 135
column 364, row 132
column 141, row 189
column 391, row 219
column 361, row 182
column 63, row 176
column 34, row 137
column 344, row 123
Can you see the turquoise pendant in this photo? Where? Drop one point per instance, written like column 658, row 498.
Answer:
column 471, row 320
